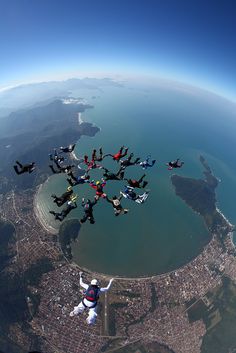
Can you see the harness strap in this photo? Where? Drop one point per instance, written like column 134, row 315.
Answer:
column 89, row 307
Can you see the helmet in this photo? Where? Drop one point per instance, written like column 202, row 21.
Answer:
column 97, row 182
column 94, row 282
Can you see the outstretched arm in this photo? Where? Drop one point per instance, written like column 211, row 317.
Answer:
column 109, row 200
column 82, row 284
column 105, row 289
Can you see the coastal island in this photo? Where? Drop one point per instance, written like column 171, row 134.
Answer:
column 173, row 312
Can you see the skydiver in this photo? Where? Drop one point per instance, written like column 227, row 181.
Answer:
column 67, row 149
column 78, row 180
column 115, row 201
column 137, row 183
column 92, row 164
column 24, row 167
column 60, row 200
column 127, row 162
column 61, row 169
column 131, row 195
column 97, row 158
column 119, row 155
column 98, row 186
column 174, row 164
column 88, row 210
column 112, row 176
column 55, row 158
column 90, row 299
column 145, row 164
column 61, row 215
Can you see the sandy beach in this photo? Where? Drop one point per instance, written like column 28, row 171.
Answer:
column 39, row 215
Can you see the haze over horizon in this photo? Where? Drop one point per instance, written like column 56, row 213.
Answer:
column 191, row 42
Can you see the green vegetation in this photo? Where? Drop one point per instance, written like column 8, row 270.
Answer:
column 32, row 276
column 138, row 347
column 7, row 232
column 68, row 232
column 221, row 337
column 219, row 316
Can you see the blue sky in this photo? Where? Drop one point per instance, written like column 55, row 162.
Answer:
column 193, row 40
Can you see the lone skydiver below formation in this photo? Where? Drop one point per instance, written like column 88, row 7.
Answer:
column 90, row 299
column 24, row 168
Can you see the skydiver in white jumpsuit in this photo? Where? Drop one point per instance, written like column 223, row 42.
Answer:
column 90, row 299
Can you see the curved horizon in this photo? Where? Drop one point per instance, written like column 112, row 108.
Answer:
column 121, row 78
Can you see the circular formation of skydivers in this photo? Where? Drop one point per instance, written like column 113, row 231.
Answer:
column 58, row 165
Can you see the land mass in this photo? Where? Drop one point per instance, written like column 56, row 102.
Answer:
column 137, row 313
column 31, row 134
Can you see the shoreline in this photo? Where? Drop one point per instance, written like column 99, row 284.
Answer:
column 38, row 213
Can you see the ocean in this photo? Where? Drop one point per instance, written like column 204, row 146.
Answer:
column 168, row 122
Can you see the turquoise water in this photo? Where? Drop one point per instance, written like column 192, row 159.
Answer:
column 163, row 233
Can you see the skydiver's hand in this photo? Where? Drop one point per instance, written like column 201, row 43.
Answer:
column 83, row 199
column 81, row 273
column 111, row 280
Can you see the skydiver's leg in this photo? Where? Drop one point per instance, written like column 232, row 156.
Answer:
column 70, row 181
column 57, row 215
column 100, row 154
column 58, row 164
column 144, row 184
column 19, row 164
column 137, row 160
column 92, row 316
column 31, row 170
column 17, row 170
column 141, row 179
column 121, row 174
column 91, row 219
column 78, row 309
column 94, row 157
column 72, row 147
column 70, row 173
column 121, row 149
column 84, row 219
column 125, row 153
column 130, row 156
